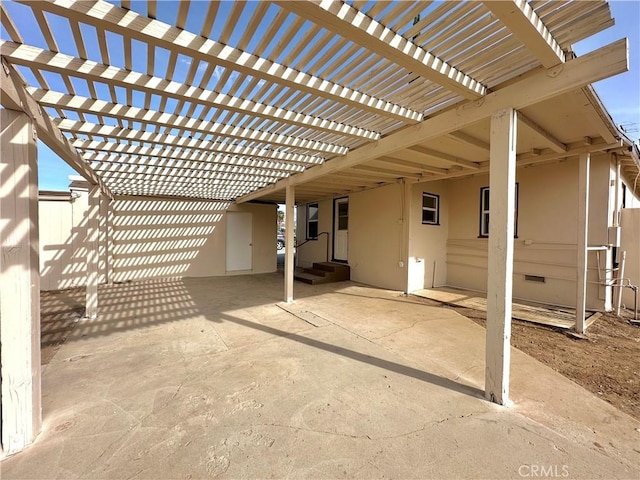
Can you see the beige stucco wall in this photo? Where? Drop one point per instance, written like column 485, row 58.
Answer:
column 630, row 242
column 428, row 243
column 546, row 243
column 375, row 237
column 63, row 230
column 314, row 250
column 60, row 266
column 547, row 232
column 150, row 238
column 155, row 237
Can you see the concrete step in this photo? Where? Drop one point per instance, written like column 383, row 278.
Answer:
column 331, row 266
column 338, row 271
column 312, row 279
column 317, row 271
column 324, row 272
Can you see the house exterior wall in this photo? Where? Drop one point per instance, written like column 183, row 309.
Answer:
column 314, row 250
column 547, row 232
column 151, row 238
column 428, row 243
column 545, row 245
column 376, row 250
column 376, row 237
column 630, row 243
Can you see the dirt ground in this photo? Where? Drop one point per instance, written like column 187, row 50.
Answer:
column 605, row 361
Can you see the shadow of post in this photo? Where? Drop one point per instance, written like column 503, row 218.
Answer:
column 398, row 368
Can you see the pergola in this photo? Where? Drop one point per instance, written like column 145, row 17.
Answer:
column 289, row 100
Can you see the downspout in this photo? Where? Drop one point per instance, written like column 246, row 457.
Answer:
column 616, row 207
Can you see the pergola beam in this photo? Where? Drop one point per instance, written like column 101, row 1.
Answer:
column 14, row 96
column 543, row 85
column 182, row 178
column 445, row 157
column 550, row 140
column 62, row 64
column 357, row 27
column 129, row 24
column 526, row 26
column 48, row 98
column 416, row 165
column 528, row 159
column 201, row 163
column 177, row 168
column 469, row 140
column 387, row 172
column 185, row 143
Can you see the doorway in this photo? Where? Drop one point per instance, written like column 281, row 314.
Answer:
column 341, row 229
column 239, row 241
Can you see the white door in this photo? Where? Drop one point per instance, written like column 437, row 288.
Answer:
column 341, row 229
column 239, row 241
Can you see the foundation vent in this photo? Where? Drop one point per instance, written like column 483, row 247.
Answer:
column 535, row 278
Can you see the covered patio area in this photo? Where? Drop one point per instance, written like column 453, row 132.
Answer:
column 211, row 377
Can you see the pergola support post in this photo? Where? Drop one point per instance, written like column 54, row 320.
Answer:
column 19, row 283
column 502, row 188
column 93, row 253
column 410, row 264
column 581, row 246
column 109, row 272
column 289, row 241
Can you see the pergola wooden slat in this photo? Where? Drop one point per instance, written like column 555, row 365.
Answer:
column 303, row 90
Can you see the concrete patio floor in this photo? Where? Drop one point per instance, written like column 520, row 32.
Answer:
column 202, row 378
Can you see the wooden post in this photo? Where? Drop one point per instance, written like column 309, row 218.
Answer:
column 103, row 249
column 109, row 241
column 502, row 191
column 583, row 227
column 289, row 247
column 406, row 234
column 19, row 282
column 93, row 256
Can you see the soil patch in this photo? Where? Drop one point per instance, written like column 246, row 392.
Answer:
column 605, row 361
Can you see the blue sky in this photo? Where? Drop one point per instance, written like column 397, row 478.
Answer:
column 620, row 94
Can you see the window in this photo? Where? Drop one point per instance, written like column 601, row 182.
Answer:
column 430, row 209
column 343, row 215
column 312, row 221
column 484, row 213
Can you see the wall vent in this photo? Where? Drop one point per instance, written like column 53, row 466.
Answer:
column 535, row 278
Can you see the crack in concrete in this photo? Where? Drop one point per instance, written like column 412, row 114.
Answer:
column 475, row 365
column 366, row 436
column 399, row 330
